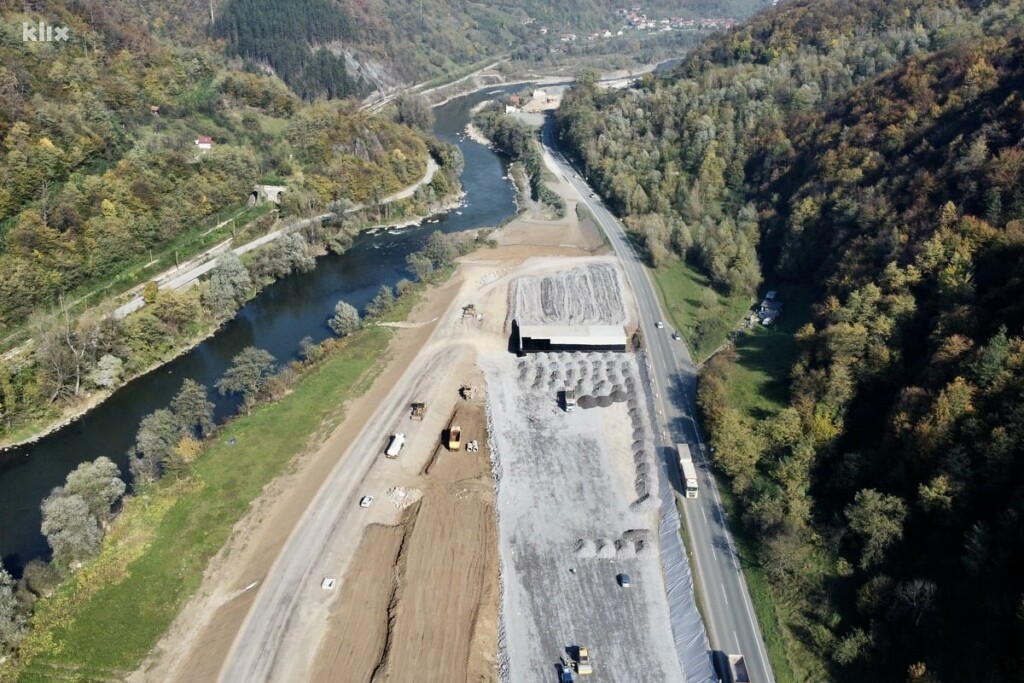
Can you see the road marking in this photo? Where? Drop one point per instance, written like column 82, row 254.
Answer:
column 726, row 596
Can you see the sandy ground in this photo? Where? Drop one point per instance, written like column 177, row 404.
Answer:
column 198, row 642
column 420, row 602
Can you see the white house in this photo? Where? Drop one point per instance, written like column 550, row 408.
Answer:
column 204, row 142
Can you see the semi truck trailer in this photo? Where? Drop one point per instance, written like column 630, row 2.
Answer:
column 687, row 470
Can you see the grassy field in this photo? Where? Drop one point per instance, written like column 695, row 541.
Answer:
column 101, row 624
column 703, row 316
column 765, row 355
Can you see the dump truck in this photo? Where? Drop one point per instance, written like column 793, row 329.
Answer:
column 570, row 400
column 418, row 409
column 687, row 470
column 738, row 669
column 395, row 445
column 454, row 438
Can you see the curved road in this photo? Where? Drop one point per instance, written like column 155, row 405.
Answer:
column 727, row 608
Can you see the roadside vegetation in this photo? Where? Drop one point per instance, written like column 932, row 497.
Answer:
column 703, row 315
column 117, row 581
column 864, row 159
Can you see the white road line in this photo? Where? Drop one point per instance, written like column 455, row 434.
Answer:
column 725, row 594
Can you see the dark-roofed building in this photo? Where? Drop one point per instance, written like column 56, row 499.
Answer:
column 534, row 338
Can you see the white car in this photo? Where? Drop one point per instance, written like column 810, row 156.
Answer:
column 365, row 501
column 659, row 324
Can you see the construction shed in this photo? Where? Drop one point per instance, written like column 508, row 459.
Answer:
column 533, row 338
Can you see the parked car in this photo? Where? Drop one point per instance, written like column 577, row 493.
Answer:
column 365, row 501
column 676, row 336
column 624, row 580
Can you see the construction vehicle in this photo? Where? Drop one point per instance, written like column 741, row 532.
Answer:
column 469, row 311
column 688, row 471
column 454, row 438
column 583, row 665
column 570, row 400
column 466, row 392
column 395, row 445
column 417, row 411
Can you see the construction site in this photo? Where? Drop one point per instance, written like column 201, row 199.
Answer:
column 473, row 516
column 576, row 493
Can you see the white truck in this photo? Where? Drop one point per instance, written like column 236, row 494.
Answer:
column 738, row 669
column 395, row 445
column 688, row 471
column 570, row 400
column 730, row 668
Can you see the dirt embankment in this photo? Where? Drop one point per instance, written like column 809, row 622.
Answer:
column 420, row 601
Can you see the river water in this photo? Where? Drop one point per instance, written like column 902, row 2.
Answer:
column 276, row 320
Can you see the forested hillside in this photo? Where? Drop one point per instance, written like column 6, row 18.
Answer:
column 280, row 35
column 103, row 181
column 871, row 154
column 328, row 48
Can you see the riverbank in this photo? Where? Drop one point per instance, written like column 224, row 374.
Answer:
column 106, row 617
column 96, row 398
column 177, row 279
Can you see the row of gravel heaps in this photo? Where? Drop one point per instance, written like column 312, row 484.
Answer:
column 599, row 379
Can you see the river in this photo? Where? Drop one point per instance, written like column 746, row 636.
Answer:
column 276, row 320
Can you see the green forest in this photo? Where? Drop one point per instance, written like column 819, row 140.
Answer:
column 280, row 36
column 870, row 154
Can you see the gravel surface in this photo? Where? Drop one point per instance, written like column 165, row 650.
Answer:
column 588, row 295
column 577, row 505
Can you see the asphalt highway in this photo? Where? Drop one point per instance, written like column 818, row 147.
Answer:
column 727, row 609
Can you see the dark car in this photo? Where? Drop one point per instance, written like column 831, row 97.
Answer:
column 624, row 580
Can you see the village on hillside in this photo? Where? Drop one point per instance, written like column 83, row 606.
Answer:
column 634, row 19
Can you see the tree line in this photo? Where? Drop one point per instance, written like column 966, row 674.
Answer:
column 869, row 153
column 519, row 141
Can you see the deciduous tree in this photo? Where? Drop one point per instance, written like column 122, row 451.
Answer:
column 98, row 483
column 70, row 528
column 249, row 371
column 345, row 320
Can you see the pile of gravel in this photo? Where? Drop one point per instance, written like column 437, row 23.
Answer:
column 588, row 295
column 599, row 380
